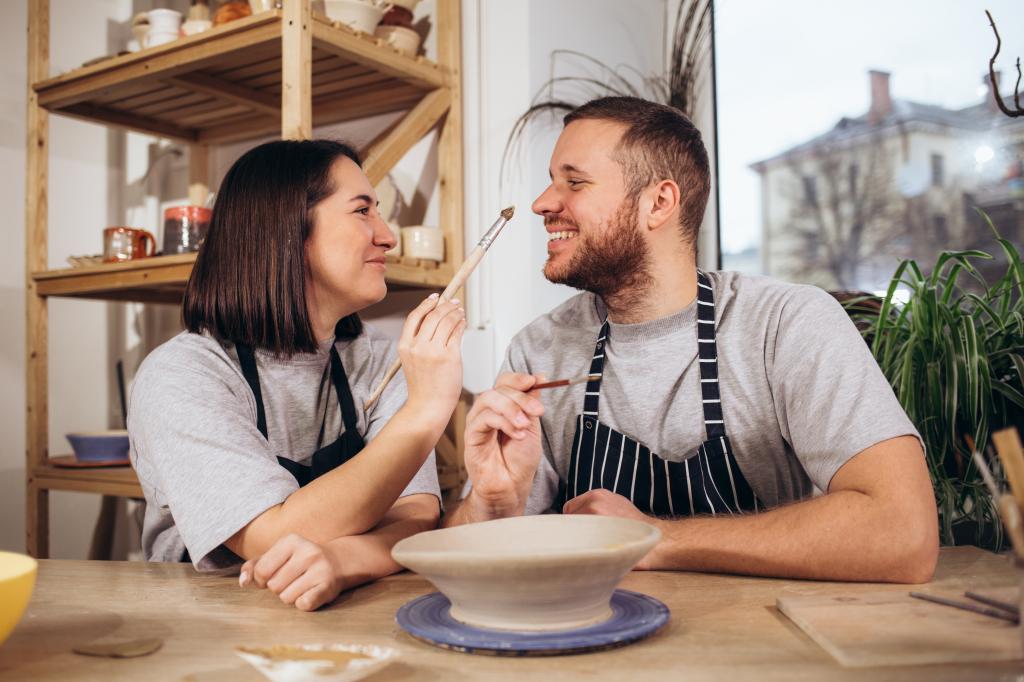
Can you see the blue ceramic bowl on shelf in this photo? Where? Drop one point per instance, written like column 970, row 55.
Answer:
column 99, row 445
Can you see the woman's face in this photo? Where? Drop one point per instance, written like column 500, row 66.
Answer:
column 345, row 249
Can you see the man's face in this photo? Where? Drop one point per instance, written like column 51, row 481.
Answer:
column 594, row 240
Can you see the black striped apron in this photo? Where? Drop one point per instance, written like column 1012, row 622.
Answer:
column 708, row 482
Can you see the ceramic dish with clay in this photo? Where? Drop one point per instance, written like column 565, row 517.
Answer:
column 531, row 573
column 321, row 662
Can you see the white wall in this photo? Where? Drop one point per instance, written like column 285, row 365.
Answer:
column 97, row 180
column 82, row 202
column 502, row 38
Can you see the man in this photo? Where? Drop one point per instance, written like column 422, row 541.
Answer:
column 718, row 402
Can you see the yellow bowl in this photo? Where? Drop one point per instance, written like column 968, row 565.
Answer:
column 17, row 578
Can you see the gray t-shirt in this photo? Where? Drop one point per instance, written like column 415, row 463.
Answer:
column 205, row 468
column 801, row 393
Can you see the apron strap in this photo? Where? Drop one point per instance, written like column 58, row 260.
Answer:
column 247, row 359
column 344, row 393
column 592, row 398
column 707, row 359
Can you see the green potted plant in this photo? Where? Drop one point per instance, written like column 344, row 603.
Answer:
column 954, row 355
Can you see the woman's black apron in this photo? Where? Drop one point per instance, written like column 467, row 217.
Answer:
column 329, row 457
column 708, row 482
column 347, row 446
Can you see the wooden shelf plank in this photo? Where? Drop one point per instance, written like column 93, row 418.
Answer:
column 150, row 280
column 118, row 481
column 162, row 279
column 360, row 48
column 167, row 90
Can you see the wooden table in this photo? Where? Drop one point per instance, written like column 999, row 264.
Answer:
column 722, row 627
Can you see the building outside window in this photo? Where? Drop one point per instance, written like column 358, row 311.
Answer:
column 867, row 145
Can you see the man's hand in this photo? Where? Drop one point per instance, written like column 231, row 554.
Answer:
column 603, row 502
column 503, row 446
column 299, row 572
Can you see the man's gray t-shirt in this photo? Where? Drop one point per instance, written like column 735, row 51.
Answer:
column 801, row 392
column 205, row 468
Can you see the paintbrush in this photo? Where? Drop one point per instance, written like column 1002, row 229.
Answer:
column 967, row 606
column 566, row 382
column 986, row 473
column 1009, row 512
column 458, row 280
column 1007, row 444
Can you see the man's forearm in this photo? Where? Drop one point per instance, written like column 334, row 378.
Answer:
column 367, row 557
column 474, row 509
column 839, row 536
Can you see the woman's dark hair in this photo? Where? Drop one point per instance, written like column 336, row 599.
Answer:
column 248, row 283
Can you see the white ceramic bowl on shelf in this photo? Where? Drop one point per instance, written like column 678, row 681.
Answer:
column 361, row 15
column 531, row 573
column 405, row 40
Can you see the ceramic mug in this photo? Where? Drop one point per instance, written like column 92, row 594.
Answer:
column 164, row 27
column 127, row 243
column 405, row 40
column 426, row 243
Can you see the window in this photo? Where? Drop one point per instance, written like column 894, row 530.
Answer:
column 810, row 191
column 866, row 145
column 938, row 172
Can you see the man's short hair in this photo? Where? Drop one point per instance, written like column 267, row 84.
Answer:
column 660, row 143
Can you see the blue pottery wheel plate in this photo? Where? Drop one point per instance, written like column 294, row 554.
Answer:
column 634, row 616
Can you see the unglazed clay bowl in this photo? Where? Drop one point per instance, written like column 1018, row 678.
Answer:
column 530, row 573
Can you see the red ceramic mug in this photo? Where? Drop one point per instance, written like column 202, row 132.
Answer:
column 127, row 243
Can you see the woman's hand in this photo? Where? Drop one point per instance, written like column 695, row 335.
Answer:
column 431, row 351
column 299, row 572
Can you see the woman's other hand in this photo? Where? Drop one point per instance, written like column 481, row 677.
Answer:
column 299, row 572
column 431, row 351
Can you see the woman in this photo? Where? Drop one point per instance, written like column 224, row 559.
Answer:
column 247, row 430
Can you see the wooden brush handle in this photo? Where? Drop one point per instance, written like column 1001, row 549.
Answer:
column 457, row 282
column 1008, row 446
column 467, row 268
column 1012, row 522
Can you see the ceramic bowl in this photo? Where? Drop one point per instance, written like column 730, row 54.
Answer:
column 361, row 15
column 530, row 573
column 290, row 663
column 405, row 40
column 17, row 579
column 99, row 445
column 194, row 26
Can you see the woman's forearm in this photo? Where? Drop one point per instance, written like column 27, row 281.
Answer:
column 353, row 498
column 366, row 557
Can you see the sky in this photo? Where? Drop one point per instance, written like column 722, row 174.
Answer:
column 787, row 70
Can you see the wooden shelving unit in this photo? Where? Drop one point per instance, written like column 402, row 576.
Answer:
column 282, row 71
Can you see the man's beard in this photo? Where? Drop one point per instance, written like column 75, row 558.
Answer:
column 614, row 264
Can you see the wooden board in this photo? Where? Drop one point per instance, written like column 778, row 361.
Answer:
column 892, row 628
